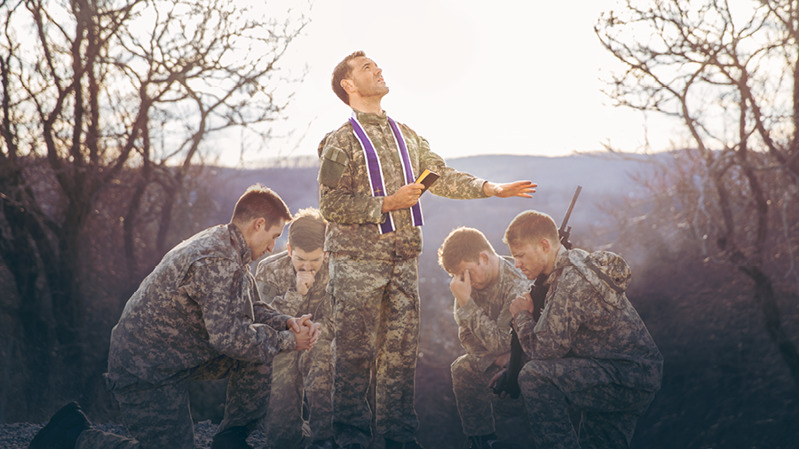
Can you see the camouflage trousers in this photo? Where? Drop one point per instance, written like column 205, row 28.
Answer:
column 474, row 397
column 609, row 411
column 296, row 376
column 377, row 321
column 157, row 416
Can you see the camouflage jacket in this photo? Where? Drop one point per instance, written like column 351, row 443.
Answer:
column 346, row 199
column 588, row 315
column 199, row 302
column 276, row 280
column 484, row 321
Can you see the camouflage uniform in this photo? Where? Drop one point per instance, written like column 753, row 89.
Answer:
column 589, row 349
column 196, row 316
column 373, row 277
column 484, row 331
column 295, row 373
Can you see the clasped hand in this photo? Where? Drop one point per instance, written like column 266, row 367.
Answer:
column 306, row 332
column 521, row 303
column 304, row 282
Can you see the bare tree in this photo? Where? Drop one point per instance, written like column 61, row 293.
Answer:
column 731, row 76
column 100, row 92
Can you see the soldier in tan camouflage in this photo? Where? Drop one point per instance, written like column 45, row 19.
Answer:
column 369, row 197
column 196, row 316
column 589, row 348
column 294, row 282
column 483, row 284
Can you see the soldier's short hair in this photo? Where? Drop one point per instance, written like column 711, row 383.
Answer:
column 260, row 202
column 342, row 71
column 463, row 244
column 307, row 230
column 530, row 227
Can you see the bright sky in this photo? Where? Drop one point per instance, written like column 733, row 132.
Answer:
column 471, row 76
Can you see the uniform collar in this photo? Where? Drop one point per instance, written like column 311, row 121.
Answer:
column 561, row 260
column 240, row 244
column 370, row 117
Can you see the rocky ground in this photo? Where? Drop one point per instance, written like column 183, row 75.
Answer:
column 19, row 435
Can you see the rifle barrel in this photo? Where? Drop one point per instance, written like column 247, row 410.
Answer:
column 571, row 206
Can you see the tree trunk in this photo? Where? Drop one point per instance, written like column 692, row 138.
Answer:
column 766, row 299
column 35, row 319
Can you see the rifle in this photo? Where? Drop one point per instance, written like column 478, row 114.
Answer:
column 565, row 231
column 508, row 382
column 538, row 292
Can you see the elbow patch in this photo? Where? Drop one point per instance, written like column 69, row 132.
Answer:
column 332, row 166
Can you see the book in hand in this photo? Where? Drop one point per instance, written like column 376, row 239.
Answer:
column 427, row 178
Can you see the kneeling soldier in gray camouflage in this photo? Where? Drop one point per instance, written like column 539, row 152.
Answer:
column 294, row 282
column 483, row 284
column 589, row 348
column 197, row 316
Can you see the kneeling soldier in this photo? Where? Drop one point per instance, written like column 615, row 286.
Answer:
column 484, row 284
column 589, row 349
column 195, row 317
column 294, row 282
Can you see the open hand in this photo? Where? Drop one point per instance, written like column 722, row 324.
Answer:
column 524, row 189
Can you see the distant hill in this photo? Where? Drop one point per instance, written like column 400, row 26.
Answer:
column 605, row 177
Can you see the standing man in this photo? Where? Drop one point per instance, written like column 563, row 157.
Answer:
column 195, row 317
column 294, row 282
column 483, row 284
column 589, row 348
column 369, row 197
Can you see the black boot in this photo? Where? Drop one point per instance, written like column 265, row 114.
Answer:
column 231, row 438
column 323, row 444
column 481, row 441
column 507, row 444
column 391, row 444
column 63, row 429
column 353, row 446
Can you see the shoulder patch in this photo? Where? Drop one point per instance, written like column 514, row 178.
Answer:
column 332, row 165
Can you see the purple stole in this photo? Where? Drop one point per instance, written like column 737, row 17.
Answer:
column 375, row 170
